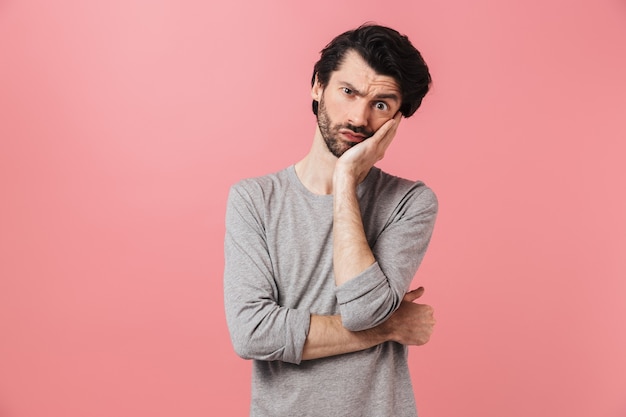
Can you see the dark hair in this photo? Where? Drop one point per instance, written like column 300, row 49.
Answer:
column 387, row 52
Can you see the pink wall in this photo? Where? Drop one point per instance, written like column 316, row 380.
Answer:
column 123, row 123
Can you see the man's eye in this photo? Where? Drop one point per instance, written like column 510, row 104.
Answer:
column 381, row 105
column 346, row 90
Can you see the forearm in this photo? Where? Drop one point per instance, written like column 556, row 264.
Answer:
column 328, row 337
column 351, row 252
column 363, row 292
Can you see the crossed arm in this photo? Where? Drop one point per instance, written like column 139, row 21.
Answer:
column 263, row 329
column 411, row 324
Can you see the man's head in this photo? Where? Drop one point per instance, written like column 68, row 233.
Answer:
column 388, row 53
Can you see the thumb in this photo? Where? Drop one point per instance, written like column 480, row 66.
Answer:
column 414, row 294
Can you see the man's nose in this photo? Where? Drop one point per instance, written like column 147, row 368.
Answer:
column 359, row 113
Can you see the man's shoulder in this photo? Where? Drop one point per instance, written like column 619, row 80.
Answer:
column 384, row 183
column 389, row 194
column 271, row 180
column 259, row 188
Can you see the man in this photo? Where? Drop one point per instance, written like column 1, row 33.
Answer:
column 320, row 256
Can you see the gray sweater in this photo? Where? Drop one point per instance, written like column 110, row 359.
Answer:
column 279, row 271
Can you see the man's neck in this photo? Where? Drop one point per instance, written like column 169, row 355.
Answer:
column 316, row 169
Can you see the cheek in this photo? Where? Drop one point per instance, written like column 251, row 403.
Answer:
column 379, row 122
column 337, row 103
column 334, row 113
column 332, row 107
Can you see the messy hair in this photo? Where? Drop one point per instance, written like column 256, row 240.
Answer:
column 388, row 53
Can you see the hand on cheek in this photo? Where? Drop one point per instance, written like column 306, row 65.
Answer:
column 357, row 161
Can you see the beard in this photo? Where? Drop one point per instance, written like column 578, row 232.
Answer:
column 330, row 132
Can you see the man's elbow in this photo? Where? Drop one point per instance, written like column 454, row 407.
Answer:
column 358, row 318
column 248, row 348
column 367, row 301
column 244, row 350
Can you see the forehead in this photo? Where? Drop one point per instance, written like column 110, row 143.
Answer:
column 356, row 71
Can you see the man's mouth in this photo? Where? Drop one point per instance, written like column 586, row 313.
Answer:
column 352, row 136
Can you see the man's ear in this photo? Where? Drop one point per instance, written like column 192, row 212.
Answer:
column 316, row 90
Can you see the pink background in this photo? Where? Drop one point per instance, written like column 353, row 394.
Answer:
column 123, row 123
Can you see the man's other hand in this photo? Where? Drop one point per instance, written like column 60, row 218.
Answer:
column 412, row 323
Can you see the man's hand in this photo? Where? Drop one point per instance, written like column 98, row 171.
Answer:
column 412, row 323
column 357, row 161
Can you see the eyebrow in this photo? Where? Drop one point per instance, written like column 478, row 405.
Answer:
column 387, row 96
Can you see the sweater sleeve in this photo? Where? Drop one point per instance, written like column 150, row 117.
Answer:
column 259, row 327
column 371, row 297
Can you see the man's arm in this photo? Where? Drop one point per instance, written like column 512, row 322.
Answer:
column 371, row 281
column 411, row 324
column 351, row 252
column 259, row 327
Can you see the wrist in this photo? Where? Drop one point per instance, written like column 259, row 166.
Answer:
column 344, row 178
column 383, row 332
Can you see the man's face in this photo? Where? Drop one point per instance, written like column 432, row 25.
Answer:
column 355, row 103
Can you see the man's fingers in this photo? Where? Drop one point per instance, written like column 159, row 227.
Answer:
column 414, row 294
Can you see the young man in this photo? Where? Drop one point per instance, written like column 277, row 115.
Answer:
column 320, row 256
